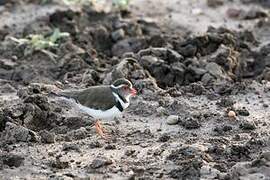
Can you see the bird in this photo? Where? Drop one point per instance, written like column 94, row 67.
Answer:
column 102, row 101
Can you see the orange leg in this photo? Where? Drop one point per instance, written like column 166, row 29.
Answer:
column 100, row 129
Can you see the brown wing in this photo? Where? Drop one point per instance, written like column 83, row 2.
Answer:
column 96, row 97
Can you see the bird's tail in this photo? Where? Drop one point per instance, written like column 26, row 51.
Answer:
column 58, row 95
column 62, row 95
column 54, row 94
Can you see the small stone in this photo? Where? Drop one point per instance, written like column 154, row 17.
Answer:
column 188, row 50
column 7, row 88
column 50, row 153
column 208, row 172
column 129, row 152
column 243, row 112
column 147, row 61
column 226, row 102
column 174, row 56
column 233, row 12
column 190, row 123
column 7, row 64
column 239, row 150
column 118, row 34
column 247, row 126
column 131, row 44
column 60, row 164
column 196, row 70
column 110, row 147
column 215, row 70
column 147, row 131
column 78, row 133
column 266, row 72
column 222, row 129
column 47, row 137
column 242, row 137
column 100, row 162
column 207, row 79
column 197, row 11
column 253, row 14
column 266, row 155
column 161, row 111
column 164, row 138
column 71, row 175
column 95, row 144
column 232, row 114
column 138, row 169
column 172, row 119
column 215, row 3
column 15, row 133
column 12, row 160
column 70, row 147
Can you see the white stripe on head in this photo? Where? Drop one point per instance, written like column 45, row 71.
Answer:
column 118, row 87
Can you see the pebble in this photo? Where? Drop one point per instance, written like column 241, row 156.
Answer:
column 215, row 3
column 130, row 152
column 12, row 160
column 243, row 112
column 247, row 126
column 164, row 137
column 60, row 164
column 214, row 69
column 232, row 114
column 161, row 111
column 172, row 120
column 266, row 155
column 100, row 161
column 47, row 137
column 118, row 34
column 70, row 147
column 110, row 147
column 190, row 123
column 208, row 172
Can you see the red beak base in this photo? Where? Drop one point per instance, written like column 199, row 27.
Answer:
column 133, row 92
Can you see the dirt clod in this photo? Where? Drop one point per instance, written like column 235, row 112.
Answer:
column 60, row 164
column 12, row 160
column 247, row 125
column 100, row 162
column 47, row 137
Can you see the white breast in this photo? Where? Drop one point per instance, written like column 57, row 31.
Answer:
column 98, row 114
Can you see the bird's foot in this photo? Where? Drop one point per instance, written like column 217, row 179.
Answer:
column 100, row 130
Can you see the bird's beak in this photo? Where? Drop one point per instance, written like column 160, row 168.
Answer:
column 133, row 91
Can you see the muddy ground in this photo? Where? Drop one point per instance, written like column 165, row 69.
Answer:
column 202, row 70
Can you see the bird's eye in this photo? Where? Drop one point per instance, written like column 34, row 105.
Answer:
column 125, row 87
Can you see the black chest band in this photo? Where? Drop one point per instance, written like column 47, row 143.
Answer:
column 119, row 106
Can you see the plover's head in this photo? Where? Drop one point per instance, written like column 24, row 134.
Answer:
column 124, row 88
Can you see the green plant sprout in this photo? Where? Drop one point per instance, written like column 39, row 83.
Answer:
column 74, row 2
column 121, row 4
column 38, row 42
